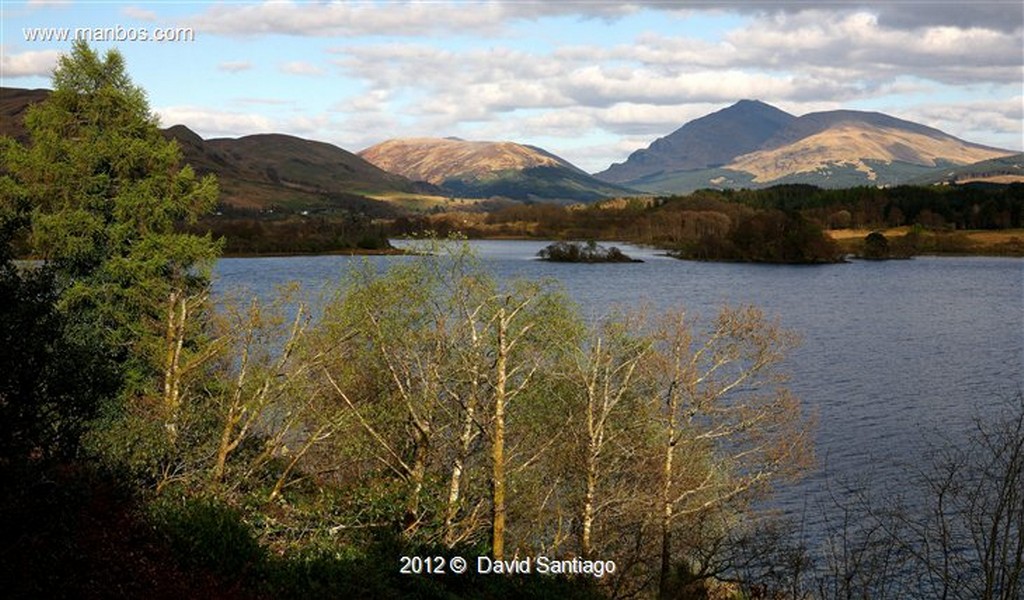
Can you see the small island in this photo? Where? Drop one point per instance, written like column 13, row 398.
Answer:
column 580, row 252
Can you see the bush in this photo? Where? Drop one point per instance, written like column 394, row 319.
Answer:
column 876, row 246
column 207, row 534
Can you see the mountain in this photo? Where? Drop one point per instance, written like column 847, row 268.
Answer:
column 489, row 169
column 14, row 102
column 841, row 148
column 262, row 171
column 708, row 142
column 265, row 170
column 1002, row 170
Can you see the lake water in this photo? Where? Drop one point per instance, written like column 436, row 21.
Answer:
column 896, row 355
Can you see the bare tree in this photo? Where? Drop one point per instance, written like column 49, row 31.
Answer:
column 729, row 426
column 605, row 374
column 268, row 400
column 962, row 534
column 953, row 531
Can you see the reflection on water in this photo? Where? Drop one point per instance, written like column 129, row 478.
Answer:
column 895, row 354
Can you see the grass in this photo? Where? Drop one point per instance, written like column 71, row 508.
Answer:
column 422, row 202
column 980, row 242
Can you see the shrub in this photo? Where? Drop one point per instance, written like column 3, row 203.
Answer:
column 206, row 533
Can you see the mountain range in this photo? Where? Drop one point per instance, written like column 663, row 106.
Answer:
column 748, row 144
column 257, row 171
column 753, row 144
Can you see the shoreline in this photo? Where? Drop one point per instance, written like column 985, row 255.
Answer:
column 346, row 252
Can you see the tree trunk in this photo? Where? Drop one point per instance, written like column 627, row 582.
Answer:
column 223, row 449
column 666, row 497
column 586, row 545
column 176, row 315
column 498, row 443
column 455, row 483
column 587, row 518
column 419, row 467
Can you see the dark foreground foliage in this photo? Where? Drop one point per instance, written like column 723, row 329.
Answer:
column 75, row 531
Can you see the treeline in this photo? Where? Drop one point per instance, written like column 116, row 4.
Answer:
column 968, row 206
column 780, row 224
column 700, row 226
column 293, row 234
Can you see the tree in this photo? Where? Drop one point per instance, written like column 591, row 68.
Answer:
column 876, row 246
column 729, row 427
column 440, row 373
column 608, row 422
column 100, row 193
column 105, row 192
column 954, row 529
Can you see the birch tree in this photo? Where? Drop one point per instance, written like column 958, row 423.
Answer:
column 730, row 429
column 609, row 420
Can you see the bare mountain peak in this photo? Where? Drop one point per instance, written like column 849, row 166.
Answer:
column 706, row 142
column 482, row 169
column 436, row 160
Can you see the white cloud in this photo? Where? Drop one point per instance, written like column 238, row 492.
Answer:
column 345, row 18
column 300, row 67
column 1001, row 15
column 234, row 66
column 33, row 63
column 999, row 123
column 599, row 86
column 797, row 55
column 215, row 123
column 459, row 17
column 632, row 119
column 139, row 14
column 818, row 42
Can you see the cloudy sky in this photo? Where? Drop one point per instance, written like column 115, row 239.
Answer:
column 588, row 80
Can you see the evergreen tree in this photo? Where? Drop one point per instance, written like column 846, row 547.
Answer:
column 97, row 194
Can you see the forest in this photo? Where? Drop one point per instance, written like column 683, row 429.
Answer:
column 157, row 441
column 781, row 224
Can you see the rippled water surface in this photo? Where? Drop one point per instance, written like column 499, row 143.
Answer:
column 895, row 355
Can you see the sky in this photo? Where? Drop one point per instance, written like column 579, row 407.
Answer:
column 591, row 81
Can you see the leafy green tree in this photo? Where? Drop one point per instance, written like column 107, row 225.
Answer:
column 98, row 194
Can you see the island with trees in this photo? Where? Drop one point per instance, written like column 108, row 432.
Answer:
column 589, row 252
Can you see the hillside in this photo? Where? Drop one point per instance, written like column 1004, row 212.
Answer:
column 13, row 104
column 708, row 142
column 829, row 149
column 259, row 172
column 747, row 145
column 870, row 143
column 1002, row 170
column 489, row 169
